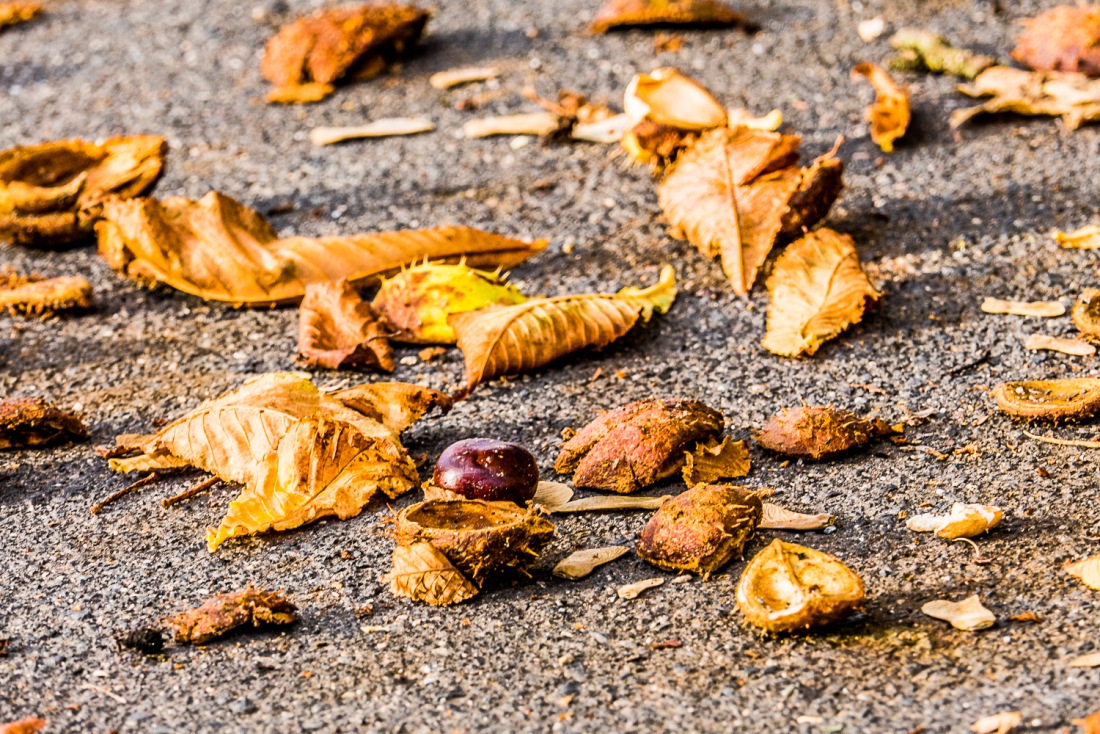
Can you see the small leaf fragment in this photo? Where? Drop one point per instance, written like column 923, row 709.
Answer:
column 580, row 564
column 968, row 615
column 552, row 495
column 633, row 13
column 965, row 521
column 1073, row 97
column 337, row 329
column 1091, row 660
column 633, row 590
column 997, row 723
column 421, row 572
column 611, row 503
column 779, row 518
column 33, row 422
column 1087, row 571
column 1086, row 314
column 889, row 115
column 386, row 127
column 1072, row 347
column 1042, row 309
column 226, row 612
column 1085, row 238
column 1066, row 399
column 931, row 51
column 464, row 75
column 34, row 296
column 1064, row 38
column 817, row 432
column 710, row 461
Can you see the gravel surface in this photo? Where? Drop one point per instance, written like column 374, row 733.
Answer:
column 947, row 219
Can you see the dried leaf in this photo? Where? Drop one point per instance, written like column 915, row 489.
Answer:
column 552, row 495
column 1086, row 314
column 1073, row 97
column 889, row 115
column 818, row 289
column 343, row 42
column 821, row 184
column 817, row 432
column 711, row 461
column 1042, row 309
column 12, row 14
column 968, row 615
column 396, row 405
column 31, row 724
column 505, row 340
column 788, row 587
column 528, row 123
column 965, row 521
column 700, row 530
column 465, row 75
column 668, row 97
column 35, row 296
column 612, row 503
column 634, row 13
column 780, row 518
column 581, row 563
column 422, row 573
column 377, row 129
column 1091, row 660
column 1066, row 399
column 633, row 590
column 32, row 422
column 637, row 444
column 927, row 50
column 226, row 612
column 998, row 723
column 1072, row 347
column 744, row 118
column 220, row 250
column 50, row 193
column 1065, row 38
column 1088, row 571
column 1085, row 238
column 418, row 301
column 337, row 329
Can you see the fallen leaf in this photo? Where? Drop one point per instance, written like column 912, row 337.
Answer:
column 422, row 573
column 700, row 530
column 1065, row 399
column 637, row 444
column 220, row 250
column 817, row 432
column 818, row 289
column 465, row 75
column 320, row 49
column 1088, row 571
column 581, row 563
column 1091, row 660
column 1043, row 309
column 337, row 329
column 889, row 115
column 780, row 518
column 383, row 128
column 226, row 612
column 710, row 461
column 505, row 340
column 1064, row 38
column 34, row 296
column 12, row 14
column 788, row 587
column 668, row 97
column 418, row 301
column 552, row 495
column 968, row 615
column 634, row 13
column 923, row 49
column 31, row 724
column 430, row 354
column 396, row 405
column 965, row 521
column 1086, row 314
column 1072, row 347
column 997, row 723
column 528, row 123
column 633, row 590
column 32, row 422
column 1089, row 724
column 1073, row 97
column 1085, row 238
column 1026, row 617
column 50, row 193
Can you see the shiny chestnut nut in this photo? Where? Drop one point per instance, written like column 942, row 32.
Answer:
column 485, row 469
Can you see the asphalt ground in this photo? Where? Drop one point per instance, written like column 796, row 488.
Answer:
column 947, row 219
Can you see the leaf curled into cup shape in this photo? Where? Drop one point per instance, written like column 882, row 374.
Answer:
column 997, row 723
column 337, row 329
column 417, row 301
column 1086, row 314
column 788, row 587
column 31, row 422
column 226, row 612
column 1067, row 399
column 1064, row 38
column 968, row 615
column 668, row 97
column 633, row 13
column 1088, row 571
column 700, row 530
column 579, row 564
column 422, row 572
column 710, row 461
column 34, row 296
column 818, row 432
column 964, row 521
column 637, row 444
column 889, row 115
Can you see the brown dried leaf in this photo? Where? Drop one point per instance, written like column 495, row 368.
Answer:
column 50, row 193
column 965, row 521
column 968, row 615
column 31, row 422
column 1085, row 238
column 635, row 589
column 818, row 289
column 817, row 432
column 383, row 128
column 396, row 405
column 700, row 530
column 711, row 461
column 1088, row 571
column 889, row 115
column 323, row 48
column 1073, row 97
column 997, row 723
column 1072, row 347
column 637, row 444
column 226, row 612
column 1064, row 38
column 780, row 518
column 1086, row 314
column 35, row 296
column 337, row 329
column 220, row 250
column 580, row 564
column 14, row 13
column 422, row 573
column 1066, row 399
column 788, row 587
column 633, row 13
column 610, row 503
column 505, row 340
column 31, row 724
column 1042, row 309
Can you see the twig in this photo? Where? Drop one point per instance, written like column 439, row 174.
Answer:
column 189, row 493
column 1065, row 441
column 982, row 359
column 978, row 559
column 147, row 479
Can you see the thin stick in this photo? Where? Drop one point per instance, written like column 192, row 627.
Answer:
column 978, row 559
column 189, row 493
column 147, row 479
column 1065, row 441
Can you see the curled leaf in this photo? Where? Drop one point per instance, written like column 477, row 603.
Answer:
column 968, row 615
column 997, row 723
column 1073, row 97
column 1086, row 314
column 337, row 328
column 780, row 518
column 710, row 461
column 1088, row 571
column 1066, row 399
column 1072, row 347
column 422, row 573
column 633, row 13
column 928, row 50
column 612, row 503
column 668, row 97
column 220, row 250
column 635, row 589
column 34, row 296
column 818, row 289
column 817, row 432
column 1085, row 238
column 31, row 422
column 505, row 340
column 378, row 129
column 12, row 14
column 821, row 184
column 889, row 115
column 1042, row 309
column 226, row 612
column 580, row 564
column 965, row 521
column 1064, row 38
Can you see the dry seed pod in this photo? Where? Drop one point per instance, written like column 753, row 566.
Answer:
column 637, row 444
column 965, row 521
column 701, row 529
column 30, row 422
column 481, row 539
column 1067, row 399
column 817, row 432
column 788, row 587
column 1086, row 314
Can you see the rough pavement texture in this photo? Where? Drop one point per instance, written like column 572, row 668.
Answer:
column 948, row 219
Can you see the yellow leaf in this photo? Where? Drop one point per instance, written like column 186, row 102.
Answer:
column 818, row 289
column 396, row 405
column 220, row 250
column 505, row 340
column 889, row 115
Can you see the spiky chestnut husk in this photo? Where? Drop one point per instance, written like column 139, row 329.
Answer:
column 818, row 432
column 29, row 422
column 702, row 529
column 481, row 539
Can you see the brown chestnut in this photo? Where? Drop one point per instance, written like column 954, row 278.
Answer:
column 486, row 469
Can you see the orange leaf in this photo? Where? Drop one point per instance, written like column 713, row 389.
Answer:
column 889, row 115
column 337, row 328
